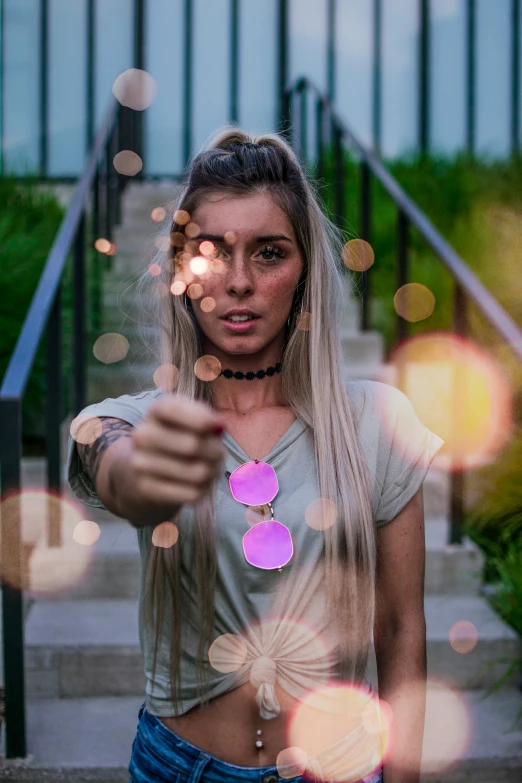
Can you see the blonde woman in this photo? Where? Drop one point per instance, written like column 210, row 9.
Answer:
column 289, row 499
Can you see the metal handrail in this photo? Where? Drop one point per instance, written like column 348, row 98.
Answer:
column 467, row 285
column 96, row 205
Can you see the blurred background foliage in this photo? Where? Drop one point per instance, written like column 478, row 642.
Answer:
column 30, row 216
column 477, row 206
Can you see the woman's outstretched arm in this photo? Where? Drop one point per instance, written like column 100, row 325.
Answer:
column 400, row 637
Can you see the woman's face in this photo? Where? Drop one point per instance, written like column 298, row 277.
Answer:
column 260, row 269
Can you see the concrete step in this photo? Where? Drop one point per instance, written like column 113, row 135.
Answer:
column 115, row 568
column 91, row 648
column 90, row 739
column 362, row 347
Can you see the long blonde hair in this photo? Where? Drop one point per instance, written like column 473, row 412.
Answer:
column 233, row 162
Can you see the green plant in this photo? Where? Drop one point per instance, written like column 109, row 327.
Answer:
column 29, row 220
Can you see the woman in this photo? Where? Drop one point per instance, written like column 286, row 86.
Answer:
column 261, row 484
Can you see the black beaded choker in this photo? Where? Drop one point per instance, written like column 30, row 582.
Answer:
column 251, row 375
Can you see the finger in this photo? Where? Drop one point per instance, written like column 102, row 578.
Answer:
column 155, row 438
column 164, row 493
column 192, row 415
column 198, row 473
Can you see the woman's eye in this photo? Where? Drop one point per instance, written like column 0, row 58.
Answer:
column 272, row 251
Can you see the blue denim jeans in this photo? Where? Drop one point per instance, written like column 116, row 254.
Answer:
column 159, row 755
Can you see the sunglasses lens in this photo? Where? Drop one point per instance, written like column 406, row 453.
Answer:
column 268, row 545
column 254, row 483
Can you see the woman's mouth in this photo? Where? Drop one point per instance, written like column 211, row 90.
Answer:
column 240, row 323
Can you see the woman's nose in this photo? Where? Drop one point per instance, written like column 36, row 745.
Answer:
column 238, row 279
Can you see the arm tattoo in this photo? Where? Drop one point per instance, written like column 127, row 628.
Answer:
column 91, row 454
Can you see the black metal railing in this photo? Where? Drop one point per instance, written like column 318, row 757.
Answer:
column 93, row 211
column 282, row 31
column 332, row 132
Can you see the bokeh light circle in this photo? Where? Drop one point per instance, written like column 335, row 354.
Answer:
column 414, row 302
column 207, row 248
column 45, row 569
column 86, row 532
column 102, row 245
column 195, row 291
column 199, row 265
column 207, row 368
column 135, row 88
column 181, row 217
column 321, row 513
column 291, row 762
column 459, row 392
column 111, row 347
column 207, row 304
column 86, row 429
column 358, row 255
column 230, row 237
column 166, row 376
column 165, row 535
column 227, row 653
column 218, row 266
column 446, row 728
column 178, row 287
column 463, row 636
column 158, row 214
column 322, row 724
column 192, row 230
column 162, row 244
column 127, row 163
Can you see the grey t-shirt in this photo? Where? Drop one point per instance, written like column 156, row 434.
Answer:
column 278, row 618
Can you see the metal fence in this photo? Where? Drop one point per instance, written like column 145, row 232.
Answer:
column 133, row 44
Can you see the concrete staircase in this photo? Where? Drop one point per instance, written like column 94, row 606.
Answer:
column 84, row 671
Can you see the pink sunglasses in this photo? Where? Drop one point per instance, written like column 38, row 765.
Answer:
column 268, row 544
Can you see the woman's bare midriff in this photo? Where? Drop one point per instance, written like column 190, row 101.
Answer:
column 227, row 726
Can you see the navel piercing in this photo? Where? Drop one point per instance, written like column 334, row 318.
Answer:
column 259, row 742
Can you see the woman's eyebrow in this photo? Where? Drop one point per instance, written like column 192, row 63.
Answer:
column 266, row 238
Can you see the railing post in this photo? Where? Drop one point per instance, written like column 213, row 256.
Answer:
column 187, row 83
column 282, row 68
column 79, row 317
column 53, row 348
column 320, row 136
column 234, row 60
column 377, row 75
column 402, row 267
column 12, row 598
column 471, row 74
column 44, row 84
column 330, row 50
column 303, row 123
column 424, row 77
column 515, row 77
column 365, row 218
column 139, row 59
column 94, row 255
column 339, row 200
column 459, row 397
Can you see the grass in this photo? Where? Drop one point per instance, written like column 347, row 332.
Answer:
column 29, row 221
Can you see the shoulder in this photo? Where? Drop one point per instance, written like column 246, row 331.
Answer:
column 371, row 398
column 128, row 407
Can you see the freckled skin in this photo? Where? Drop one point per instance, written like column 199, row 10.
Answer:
column 254, row 278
